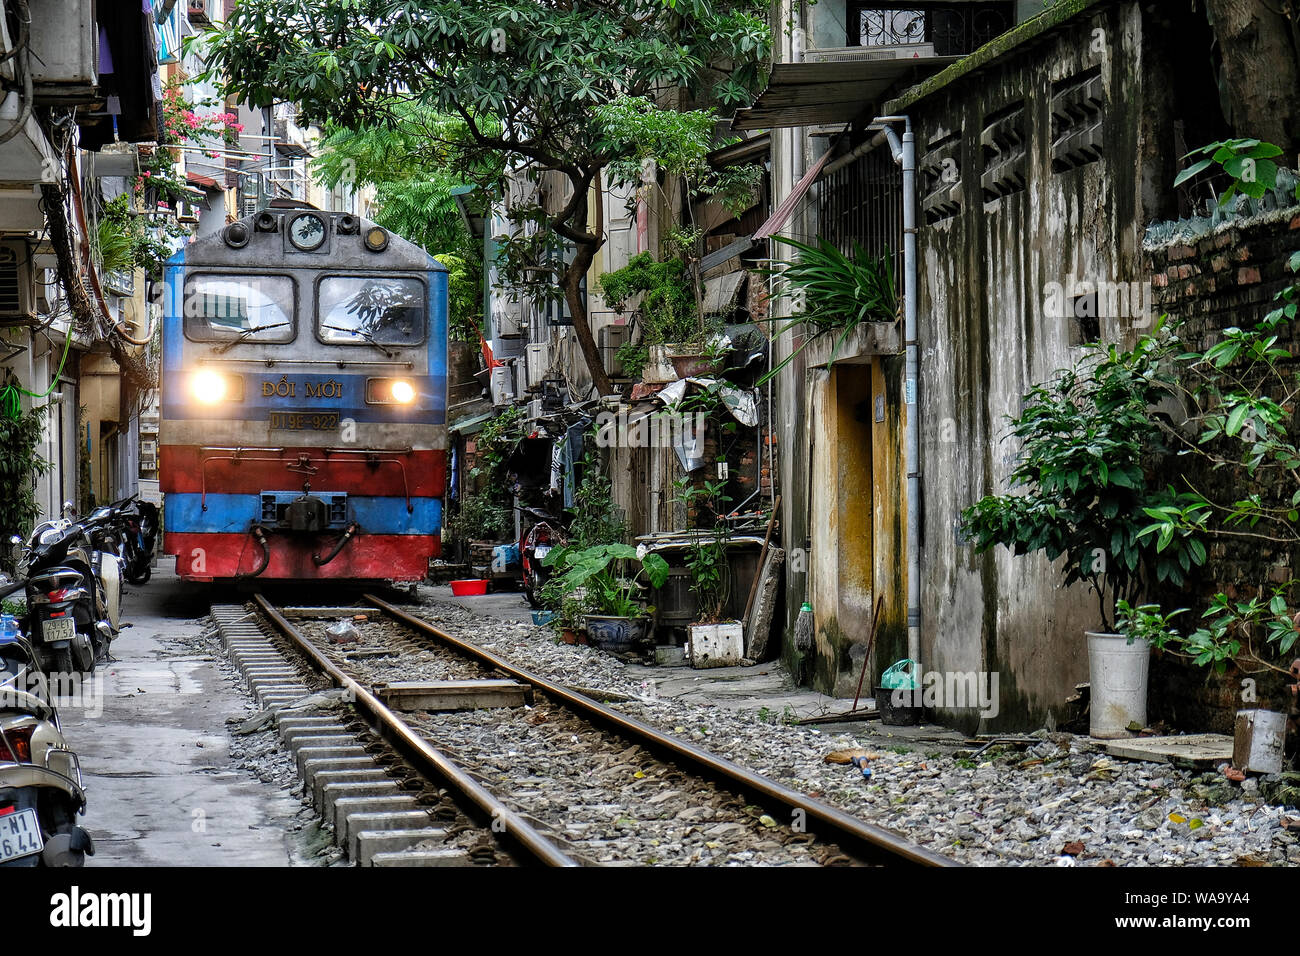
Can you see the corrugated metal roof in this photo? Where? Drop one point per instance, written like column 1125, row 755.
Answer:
column 811, row 94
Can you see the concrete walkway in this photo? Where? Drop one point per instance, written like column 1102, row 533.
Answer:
column 160, row 786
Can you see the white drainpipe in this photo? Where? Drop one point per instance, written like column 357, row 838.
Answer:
column 904, row 153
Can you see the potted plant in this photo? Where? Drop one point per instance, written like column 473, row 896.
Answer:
column 714, row 639
column 1082, row 495
column 616, row 619
column 832, row 294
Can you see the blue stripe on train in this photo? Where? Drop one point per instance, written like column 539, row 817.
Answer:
column 235, row 513
column 342, row 393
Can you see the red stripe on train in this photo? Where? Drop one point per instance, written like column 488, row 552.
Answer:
column 190, row 469
column 393, row 557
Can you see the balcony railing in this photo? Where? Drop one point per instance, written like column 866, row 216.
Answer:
column 955, row 29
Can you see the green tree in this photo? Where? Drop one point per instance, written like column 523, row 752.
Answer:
column 525, row 78
column 415, row 183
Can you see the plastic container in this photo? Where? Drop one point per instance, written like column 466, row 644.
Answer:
column 1259, row 741
column 9, row 631
column 469, row 587
column 1117, row 671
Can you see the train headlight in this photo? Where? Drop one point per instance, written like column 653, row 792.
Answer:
column 403, row 391
column 209, row 387
column 376, row 239
column 390, row 391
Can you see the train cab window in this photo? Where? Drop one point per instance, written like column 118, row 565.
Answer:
column 375, row 310
column 223, row 308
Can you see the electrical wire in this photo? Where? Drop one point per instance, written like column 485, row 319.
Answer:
column 10, row 401
column 25, row 68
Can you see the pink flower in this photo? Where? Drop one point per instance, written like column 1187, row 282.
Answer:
column 147, row 173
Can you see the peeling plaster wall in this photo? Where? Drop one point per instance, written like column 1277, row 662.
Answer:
column 986, row 338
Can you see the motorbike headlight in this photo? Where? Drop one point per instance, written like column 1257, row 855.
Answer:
column 209, row 387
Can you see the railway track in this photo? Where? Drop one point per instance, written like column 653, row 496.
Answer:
column 567, row 781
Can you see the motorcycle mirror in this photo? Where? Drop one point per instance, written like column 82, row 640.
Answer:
column 69, row 509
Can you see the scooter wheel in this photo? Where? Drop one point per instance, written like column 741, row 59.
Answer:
column 63, row 661
column 142, row 577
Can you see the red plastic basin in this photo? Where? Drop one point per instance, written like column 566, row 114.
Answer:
column 469, row 587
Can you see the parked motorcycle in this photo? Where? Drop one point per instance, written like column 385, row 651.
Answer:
column 541, row 535
column 41, row 790
column 73, row 596
column 129, row 529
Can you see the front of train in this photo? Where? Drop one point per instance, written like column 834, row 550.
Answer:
column 303, row 393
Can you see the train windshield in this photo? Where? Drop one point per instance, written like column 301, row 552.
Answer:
column 222, row 308
column 380, row 310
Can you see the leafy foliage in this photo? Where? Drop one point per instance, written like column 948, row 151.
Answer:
column 667, row 307
column 706, row 503
column 1085, row 493
column 594, row 571
column 525, row 78
column 20, row 465
column 832, row 293
column 1248, row 163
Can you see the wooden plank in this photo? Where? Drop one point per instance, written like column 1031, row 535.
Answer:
column 454, row 694
column 310, row 612
column 1199, row 749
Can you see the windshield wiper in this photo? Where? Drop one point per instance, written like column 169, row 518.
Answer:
column 365, row 335
column 245, row 333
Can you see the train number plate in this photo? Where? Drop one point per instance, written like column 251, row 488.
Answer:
column 60, row 630
column 20, row 835
column 305, row 421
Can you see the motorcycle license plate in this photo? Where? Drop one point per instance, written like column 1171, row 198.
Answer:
column 20, row 835
column 541, row 551
column 64, row 629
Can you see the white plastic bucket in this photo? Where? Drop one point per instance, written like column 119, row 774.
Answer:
column 1118, row 678
column 1258, row 741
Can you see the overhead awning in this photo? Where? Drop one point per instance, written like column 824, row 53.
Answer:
column 838, row 91
column 788, row 204
column 203, row 182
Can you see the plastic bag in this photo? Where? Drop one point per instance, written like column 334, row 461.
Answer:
column 344, row 632
column 897, row 676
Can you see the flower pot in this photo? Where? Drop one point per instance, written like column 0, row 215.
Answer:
column 541, row 618
column 716, row 645
column 569, row 635
column 615, row 633
column 1118, row 676
column 658, row 368
column 694, row 366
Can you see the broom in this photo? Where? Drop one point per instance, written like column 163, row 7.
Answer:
column 803, row 629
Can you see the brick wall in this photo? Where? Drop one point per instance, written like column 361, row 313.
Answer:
column 1228, row 278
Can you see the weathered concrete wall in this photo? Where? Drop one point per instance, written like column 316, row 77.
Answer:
column 1030, row 175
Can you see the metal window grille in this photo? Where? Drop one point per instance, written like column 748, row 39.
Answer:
column 863, row 203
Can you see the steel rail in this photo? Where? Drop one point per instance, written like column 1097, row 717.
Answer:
column 506, row 823
column 874, row 843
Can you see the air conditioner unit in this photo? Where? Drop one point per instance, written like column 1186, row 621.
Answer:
column 539, row 361
column 503, row 386
column 64, row 47
column 861, row 54
column 610, row 338
column 17, row 284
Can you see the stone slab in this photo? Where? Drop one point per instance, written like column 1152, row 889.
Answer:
column 1200, row 749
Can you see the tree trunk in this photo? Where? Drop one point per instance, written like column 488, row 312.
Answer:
column 1260, row 76
column 572, row 280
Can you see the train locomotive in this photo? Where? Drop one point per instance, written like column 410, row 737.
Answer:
column 303, row 401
